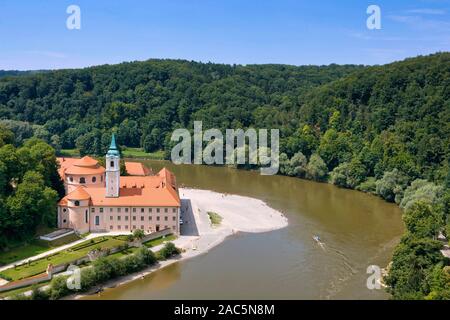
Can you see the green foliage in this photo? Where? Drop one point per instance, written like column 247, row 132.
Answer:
column 392, row 186
column 316, row 168
column 168, row 250
column 421, row 190
column 368, row 186
column 413, row 260
column 422, row 220
column 138, row 234
column 348, row 174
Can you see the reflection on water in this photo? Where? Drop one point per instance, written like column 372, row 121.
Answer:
column 357, row 230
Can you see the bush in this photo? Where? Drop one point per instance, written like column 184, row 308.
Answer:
column 392, row 186
column 168, row 250
column 368, row 186
column 138, row 234
column 58, row 287
column 421, row 190
column 316, row 169
column 39, row 294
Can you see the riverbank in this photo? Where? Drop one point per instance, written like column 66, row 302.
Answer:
column 198, row 235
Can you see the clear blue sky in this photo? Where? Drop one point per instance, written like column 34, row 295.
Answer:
column 33, row 34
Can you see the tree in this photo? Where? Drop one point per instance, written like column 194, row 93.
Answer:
column 422, row 220
column 348, row 174
column 31, row 205
column 421, row 190
column 316, row 168
column 6, row 136
column 392, row 186
column 412, row 261
column 138, row 234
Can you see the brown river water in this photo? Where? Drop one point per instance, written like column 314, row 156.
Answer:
column 357, row 230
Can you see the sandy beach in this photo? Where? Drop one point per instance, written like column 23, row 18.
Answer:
column 198, row 235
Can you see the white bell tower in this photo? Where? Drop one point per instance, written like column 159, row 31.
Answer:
column 112, row 170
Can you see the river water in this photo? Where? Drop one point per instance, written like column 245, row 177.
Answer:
column 357, row 230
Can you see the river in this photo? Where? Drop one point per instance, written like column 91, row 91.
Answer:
column 357, row 229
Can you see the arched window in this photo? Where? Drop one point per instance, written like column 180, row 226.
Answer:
column 71, row 179
column 94, row 179
column 112, row 164
column 77, row 203
column 82, row 180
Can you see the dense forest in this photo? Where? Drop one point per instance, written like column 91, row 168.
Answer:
column 29, row 187
column 382, row 129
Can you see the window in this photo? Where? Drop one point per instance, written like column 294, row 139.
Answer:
column 174, row 218
column 134, row 218
column 110, row 209
column 118, row 218
column 101, row 210
column 134, row 209
column 157, row 218
column 71, row 179
column 118, row 209
column 92, row 210
column 110, row 227
column 166, row 210
column 150, row 218
column 126, row 209
column 64, row 210
column 77, row 203
column 134, row 227
column 126, row 218
column 157, row 210
column 166, row 218
column 142, row 210
column 150, row 210
column 142, row 227
column 82, row 180
column 142, row 218
column 97, row 220
column 126, row 227
column 94, row 179
column 101, row 178
column 86, row 216
column 174, row 210
column 119, row 227
column 111, row 218
column 64, row 221
column 111, row 164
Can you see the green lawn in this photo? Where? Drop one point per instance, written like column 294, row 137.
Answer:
column 65, row 256
column 160, row 240
column 139, row 153
column 13, row 292
column 69, row 153
column 215, row 218
column 33, row 248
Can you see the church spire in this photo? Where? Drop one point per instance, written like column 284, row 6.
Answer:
column 113, row 151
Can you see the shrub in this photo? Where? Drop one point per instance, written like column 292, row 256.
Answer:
column 168, row 250
column 421, row 190
column 368, row 186
column 39, row 294
column 392, row 186
column 316, row 169
column 58, row 287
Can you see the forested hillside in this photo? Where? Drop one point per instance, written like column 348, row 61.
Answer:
column 383, row 129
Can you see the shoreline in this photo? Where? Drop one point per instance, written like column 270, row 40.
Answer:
column 239, row 214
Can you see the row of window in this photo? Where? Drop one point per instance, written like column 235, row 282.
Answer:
column 158, row 218
column 134, row 210
column 83, row 179
column 125, row 227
